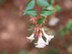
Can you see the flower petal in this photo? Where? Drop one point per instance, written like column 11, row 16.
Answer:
column 40, row 40
column 31, row 37
column 41, row 43
column 40, row 46
column 48, row 37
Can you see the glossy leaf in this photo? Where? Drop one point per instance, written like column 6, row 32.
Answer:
column 40, row 21
column 45, row 29
column 31, row 12
column 51, row 2
column 30, row 29
column 31, row 25
column 46, row 12
column 48, row 8
column 42, row 2
column 30, row 5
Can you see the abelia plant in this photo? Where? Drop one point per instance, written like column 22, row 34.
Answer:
column 37, row 20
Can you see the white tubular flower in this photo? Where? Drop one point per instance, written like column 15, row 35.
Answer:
column 40, row 46
column 48, row 38
column 41, row 43
column 53, row 21
column 31, row 38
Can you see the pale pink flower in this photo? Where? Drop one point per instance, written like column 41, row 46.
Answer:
column 48, row 37
column 41, row 43
column 40, row 46
column 31, row 38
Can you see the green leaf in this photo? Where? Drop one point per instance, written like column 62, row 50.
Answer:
column 57, row 7
column 30, row 5
column 30, row 29
column 69, row 25
column 71, row 28
column 22, row 52
column 31, row 12
column 42, row 2
column 45, row 29
column 48, row 8
column 51, row 2
column 24, row 13
column 40, row 21
column 31, row 25
column 46, row 12
column 62, row 32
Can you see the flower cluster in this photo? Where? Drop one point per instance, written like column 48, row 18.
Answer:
column 41, row 43
column 38, row 19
